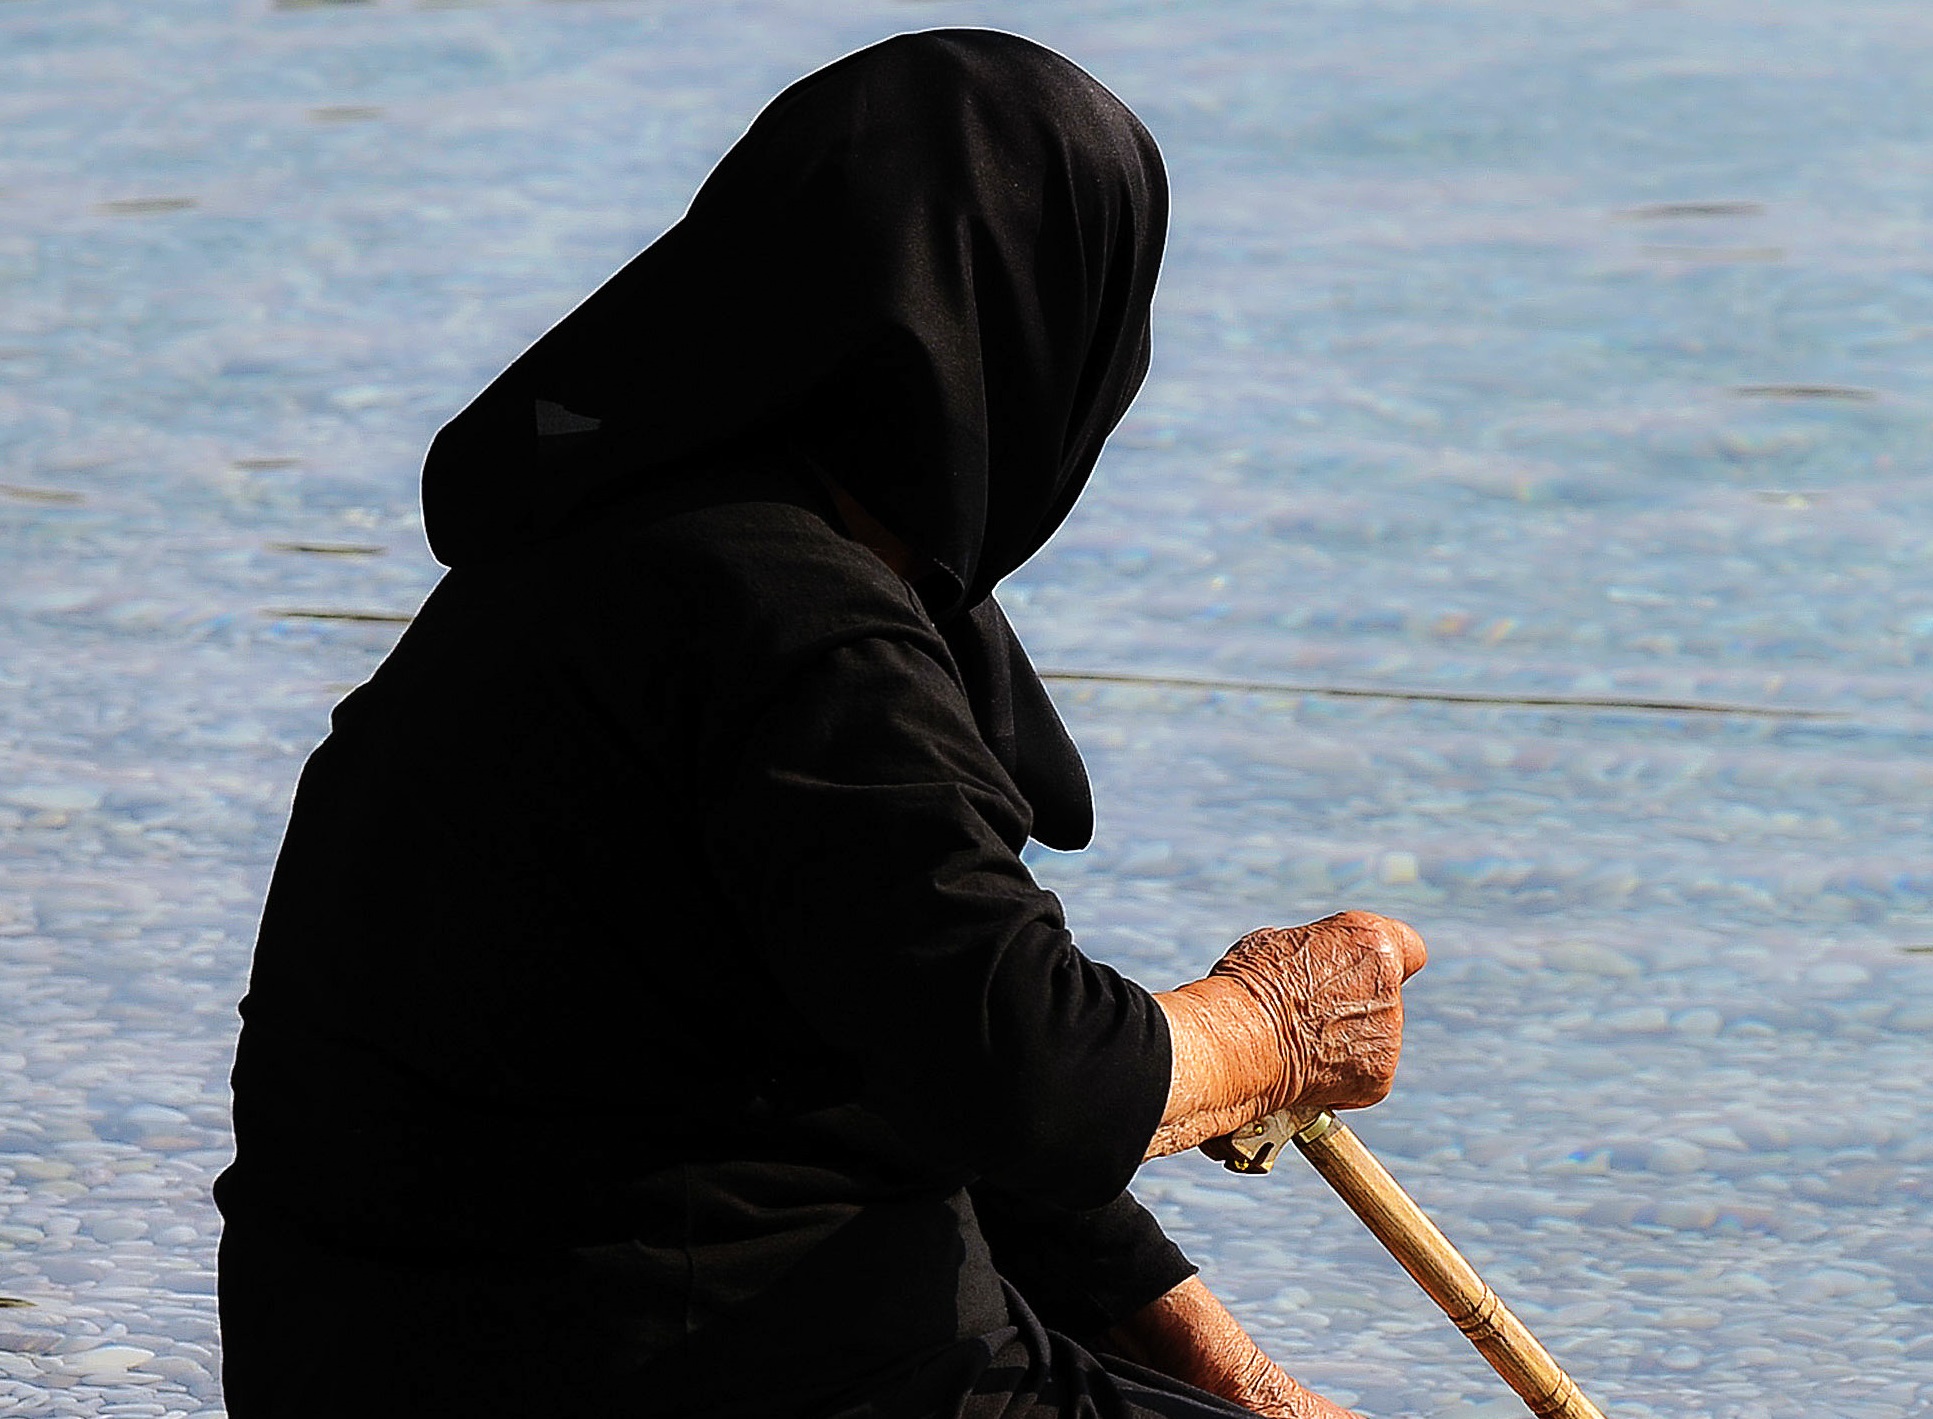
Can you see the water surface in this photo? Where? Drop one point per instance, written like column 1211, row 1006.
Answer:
column 1556, row 373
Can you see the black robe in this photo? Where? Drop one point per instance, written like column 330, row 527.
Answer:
column 652, row 1013
column 662, row 1018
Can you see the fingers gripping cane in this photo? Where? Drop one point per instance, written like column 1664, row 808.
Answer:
column 1401, row 1226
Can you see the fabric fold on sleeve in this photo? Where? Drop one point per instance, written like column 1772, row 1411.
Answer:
column 869, row 844
column 1082, row 1271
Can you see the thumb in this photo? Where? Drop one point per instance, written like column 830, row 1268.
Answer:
column 1415, row 954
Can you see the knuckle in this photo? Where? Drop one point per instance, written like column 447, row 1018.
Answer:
column 1266, row 939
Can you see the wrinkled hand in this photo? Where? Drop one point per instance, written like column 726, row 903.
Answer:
column 1333, row 992
column 1276, row 1395
column 1189, row 1334
column 1310, row 1016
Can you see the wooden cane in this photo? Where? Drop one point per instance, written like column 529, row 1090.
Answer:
column 1426, row 1254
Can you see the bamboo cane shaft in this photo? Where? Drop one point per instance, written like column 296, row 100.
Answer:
column 1401, row 1226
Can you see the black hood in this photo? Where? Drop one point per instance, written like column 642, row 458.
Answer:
column 926, row 268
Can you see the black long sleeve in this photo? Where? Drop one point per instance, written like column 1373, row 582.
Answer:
column 869, row 839
column 1082, row 1271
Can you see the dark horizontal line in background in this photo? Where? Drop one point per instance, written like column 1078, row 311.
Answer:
column 1657, row 211
column 137, row 206
column 1263, row 687
column 1451, row 697
column 330, row 549
column 1804, row 391
column 400, row 618
column 40, row 495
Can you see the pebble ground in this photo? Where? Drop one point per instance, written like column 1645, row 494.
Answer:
column 1553, row 374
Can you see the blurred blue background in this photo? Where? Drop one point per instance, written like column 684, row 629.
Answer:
column 1551, row 377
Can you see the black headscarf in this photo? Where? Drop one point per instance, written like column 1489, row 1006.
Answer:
column 926, row 268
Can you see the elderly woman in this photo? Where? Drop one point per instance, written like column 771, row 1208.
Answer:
column 652, row 1013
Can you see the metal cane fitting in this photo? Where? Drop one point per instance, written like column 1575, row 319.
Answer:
column 1256, row 1147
